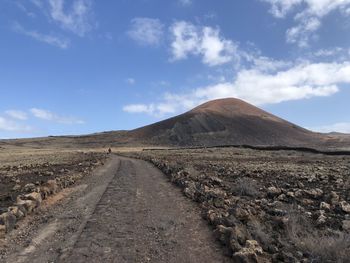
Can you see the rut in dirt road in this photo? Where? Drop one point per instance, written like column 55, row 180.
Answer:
column 141, row 217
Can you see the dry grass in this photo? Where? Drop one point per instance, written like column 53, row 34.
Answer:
column 245, row 187
column 319, row 245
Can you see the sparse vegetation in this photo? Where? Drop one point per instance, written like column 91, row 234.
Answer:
column 270, row 206
column 27, row 178
column 245, row 187
column 320, row 246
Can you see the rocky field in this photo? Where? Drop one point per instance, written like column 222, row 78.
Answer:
column 29, row 177
column 279, row 206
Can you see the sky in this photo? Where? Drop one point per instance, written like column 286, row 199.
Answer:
column 84, row 66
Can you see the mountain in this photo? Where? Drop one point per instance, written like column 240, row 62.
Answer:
column 222, row 122
column 218, row 122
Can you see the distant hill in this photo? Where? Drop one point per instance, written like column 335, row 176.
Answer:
column 218, row 122
column 226, row 121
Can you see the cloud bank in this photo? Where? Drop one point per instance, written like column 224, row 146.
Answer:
column 12, row 126
column 301, row 81
column 50, row 116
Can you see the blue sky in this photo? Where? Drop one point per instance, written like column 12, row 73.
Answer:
column 83, row 66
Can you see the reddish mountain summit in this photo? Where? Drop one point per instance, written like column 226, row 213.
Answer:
column 222, row 122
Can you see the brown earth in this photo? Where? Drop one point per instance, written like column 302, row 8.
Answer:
column 219, row 122
column 126, row 212
column 280, row 206
column 230, row 122
column 24, row 173
column 293, row 206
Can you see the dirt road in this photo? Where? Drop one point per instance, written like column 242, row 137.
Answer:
column 127, row 211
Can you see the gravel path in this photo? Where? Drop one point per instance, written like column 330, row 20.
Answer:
column 126, row 212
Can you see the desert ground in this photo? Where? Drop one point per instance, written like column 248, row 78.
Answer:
column 174, row 205
column 279, row 206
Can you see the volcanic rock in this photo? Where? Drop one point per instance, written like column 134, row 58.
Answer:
column 223, row 122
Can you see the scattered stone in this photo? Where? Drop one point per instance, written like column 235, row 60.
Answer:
column 299, row 193
column 49, row 173
column 250, row 253
column 190, row 191
column 26, row 206
column 213, row 217
column 240, row 234
column 346, row 225
column 235, row 245
column 223, row 234
column 312, row 178
column 2, row 231
column 214, row 192
column 314, row 193
column 334, row 198
column 36, row 197
column 325, row 206
column 273, row 191
column 9, row 221
column 52, row 186
column 16, row 187
column 294, row 201
column 321, row 220
column 290, row 194
column 241, row 214
column 345, row 206
column 29, row 188
column 44, row 191
column 216, row 180
column 307, row 202
column 308, row 214
column 16, row 212
column 281, row 197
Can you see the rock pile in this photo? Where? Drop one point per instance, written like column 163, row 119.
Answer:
column 266, row 206
column 24, row 205
column 28, row 197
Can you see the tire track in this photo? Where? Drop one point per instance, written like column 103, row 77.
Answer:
column 141, row 217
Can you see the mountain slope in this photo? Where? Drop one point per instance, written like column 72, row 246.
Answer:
column 225, row 121
column 218, row 122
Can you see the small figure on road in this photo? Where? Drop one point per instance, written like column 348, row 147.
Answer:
column 109, row 150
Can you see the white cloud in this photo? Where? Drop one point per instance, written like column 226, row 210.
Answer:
column 157, row 110
column 8, row 125
column 258, row 87
column 280, row 8
column 130, row 81
column 139, row 108
column 53, row 40
column 24, row 9
column 265, row 64
column 329, row 52
column 185, row 2
column 342, row 127
column 75, row 16
column 16, row 114
column 319, row 8
column 146, row 31
column 300, row 34
column 76, row 19
column 50, row 116
column 206, row 42
column 308, row 17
